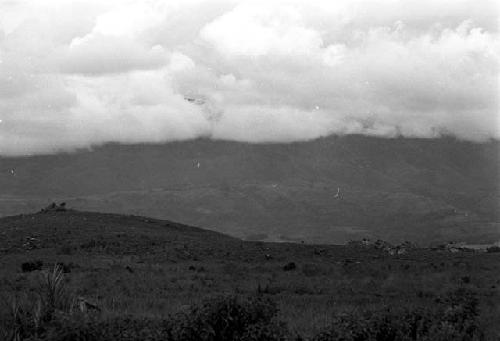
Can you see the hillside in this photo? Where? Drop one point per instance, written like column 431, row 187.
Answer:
column 134, row 268
column 425, row 190
column 72, row 230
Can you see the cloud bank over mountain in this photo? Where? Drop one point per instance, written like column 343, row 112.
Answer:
column 80, row 73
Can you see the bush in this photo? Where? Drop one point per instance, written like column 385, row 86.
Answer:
column 32, row 266
column 230, row 318
column 454, row 319
column 493, row 249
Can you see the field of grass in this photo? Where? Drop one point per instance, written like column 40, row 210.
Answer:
column 143, row 269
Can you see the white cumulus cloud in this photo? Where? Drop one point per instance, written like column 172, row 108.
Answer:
column 81, row 73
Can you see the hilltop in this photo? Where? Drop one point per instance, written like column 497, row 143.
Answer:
column 69, row 231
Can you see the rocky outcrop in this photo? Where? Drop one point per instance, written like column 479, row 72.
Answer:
column 54, row 208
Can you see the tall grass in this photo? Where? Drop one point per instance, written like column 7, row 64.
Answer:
column 13, row 319
column 249, row 318
column 27, row 315
column 53, row 294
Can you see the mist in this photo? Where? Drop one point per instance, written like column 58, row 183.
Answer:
column 75, row 74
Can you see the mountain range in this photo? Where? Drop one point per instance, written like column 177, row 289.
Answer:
column 328, row 190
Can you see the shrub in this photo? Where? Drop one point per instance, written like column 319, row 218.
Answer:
column 454, row 319
column 492, row 249
column 31, row 266
column 230, row 318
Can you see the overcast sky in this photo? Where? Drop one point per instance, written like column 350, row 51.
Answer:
column 82, row 73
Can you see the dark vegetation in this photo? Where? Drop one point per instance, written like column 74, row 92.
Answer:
column 32, row 266
column 56, row 316
column 90, row 276
column 493, row 249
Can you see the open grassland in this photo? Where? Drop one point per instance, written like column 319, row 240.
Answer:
column 142, row 269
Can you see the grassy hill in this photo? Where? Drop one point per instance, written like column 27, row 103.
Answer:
column 425, row 190
column 143, row 268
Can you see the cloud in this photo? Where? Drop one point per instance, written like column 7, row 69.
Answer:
column 254, row 30
column 81, row 73
column 98, row 54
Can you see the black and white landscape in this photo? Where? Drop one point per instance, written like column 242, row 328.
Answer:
column 249, row 170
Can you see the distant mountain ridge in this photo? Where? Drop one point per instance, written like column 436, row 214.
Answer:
column 327, row 190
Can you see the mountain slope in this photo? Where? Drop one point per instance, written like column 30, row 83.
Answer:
column 426, row 190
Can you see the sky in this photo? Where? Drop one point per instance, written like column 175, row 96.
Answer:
column 77, row 74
